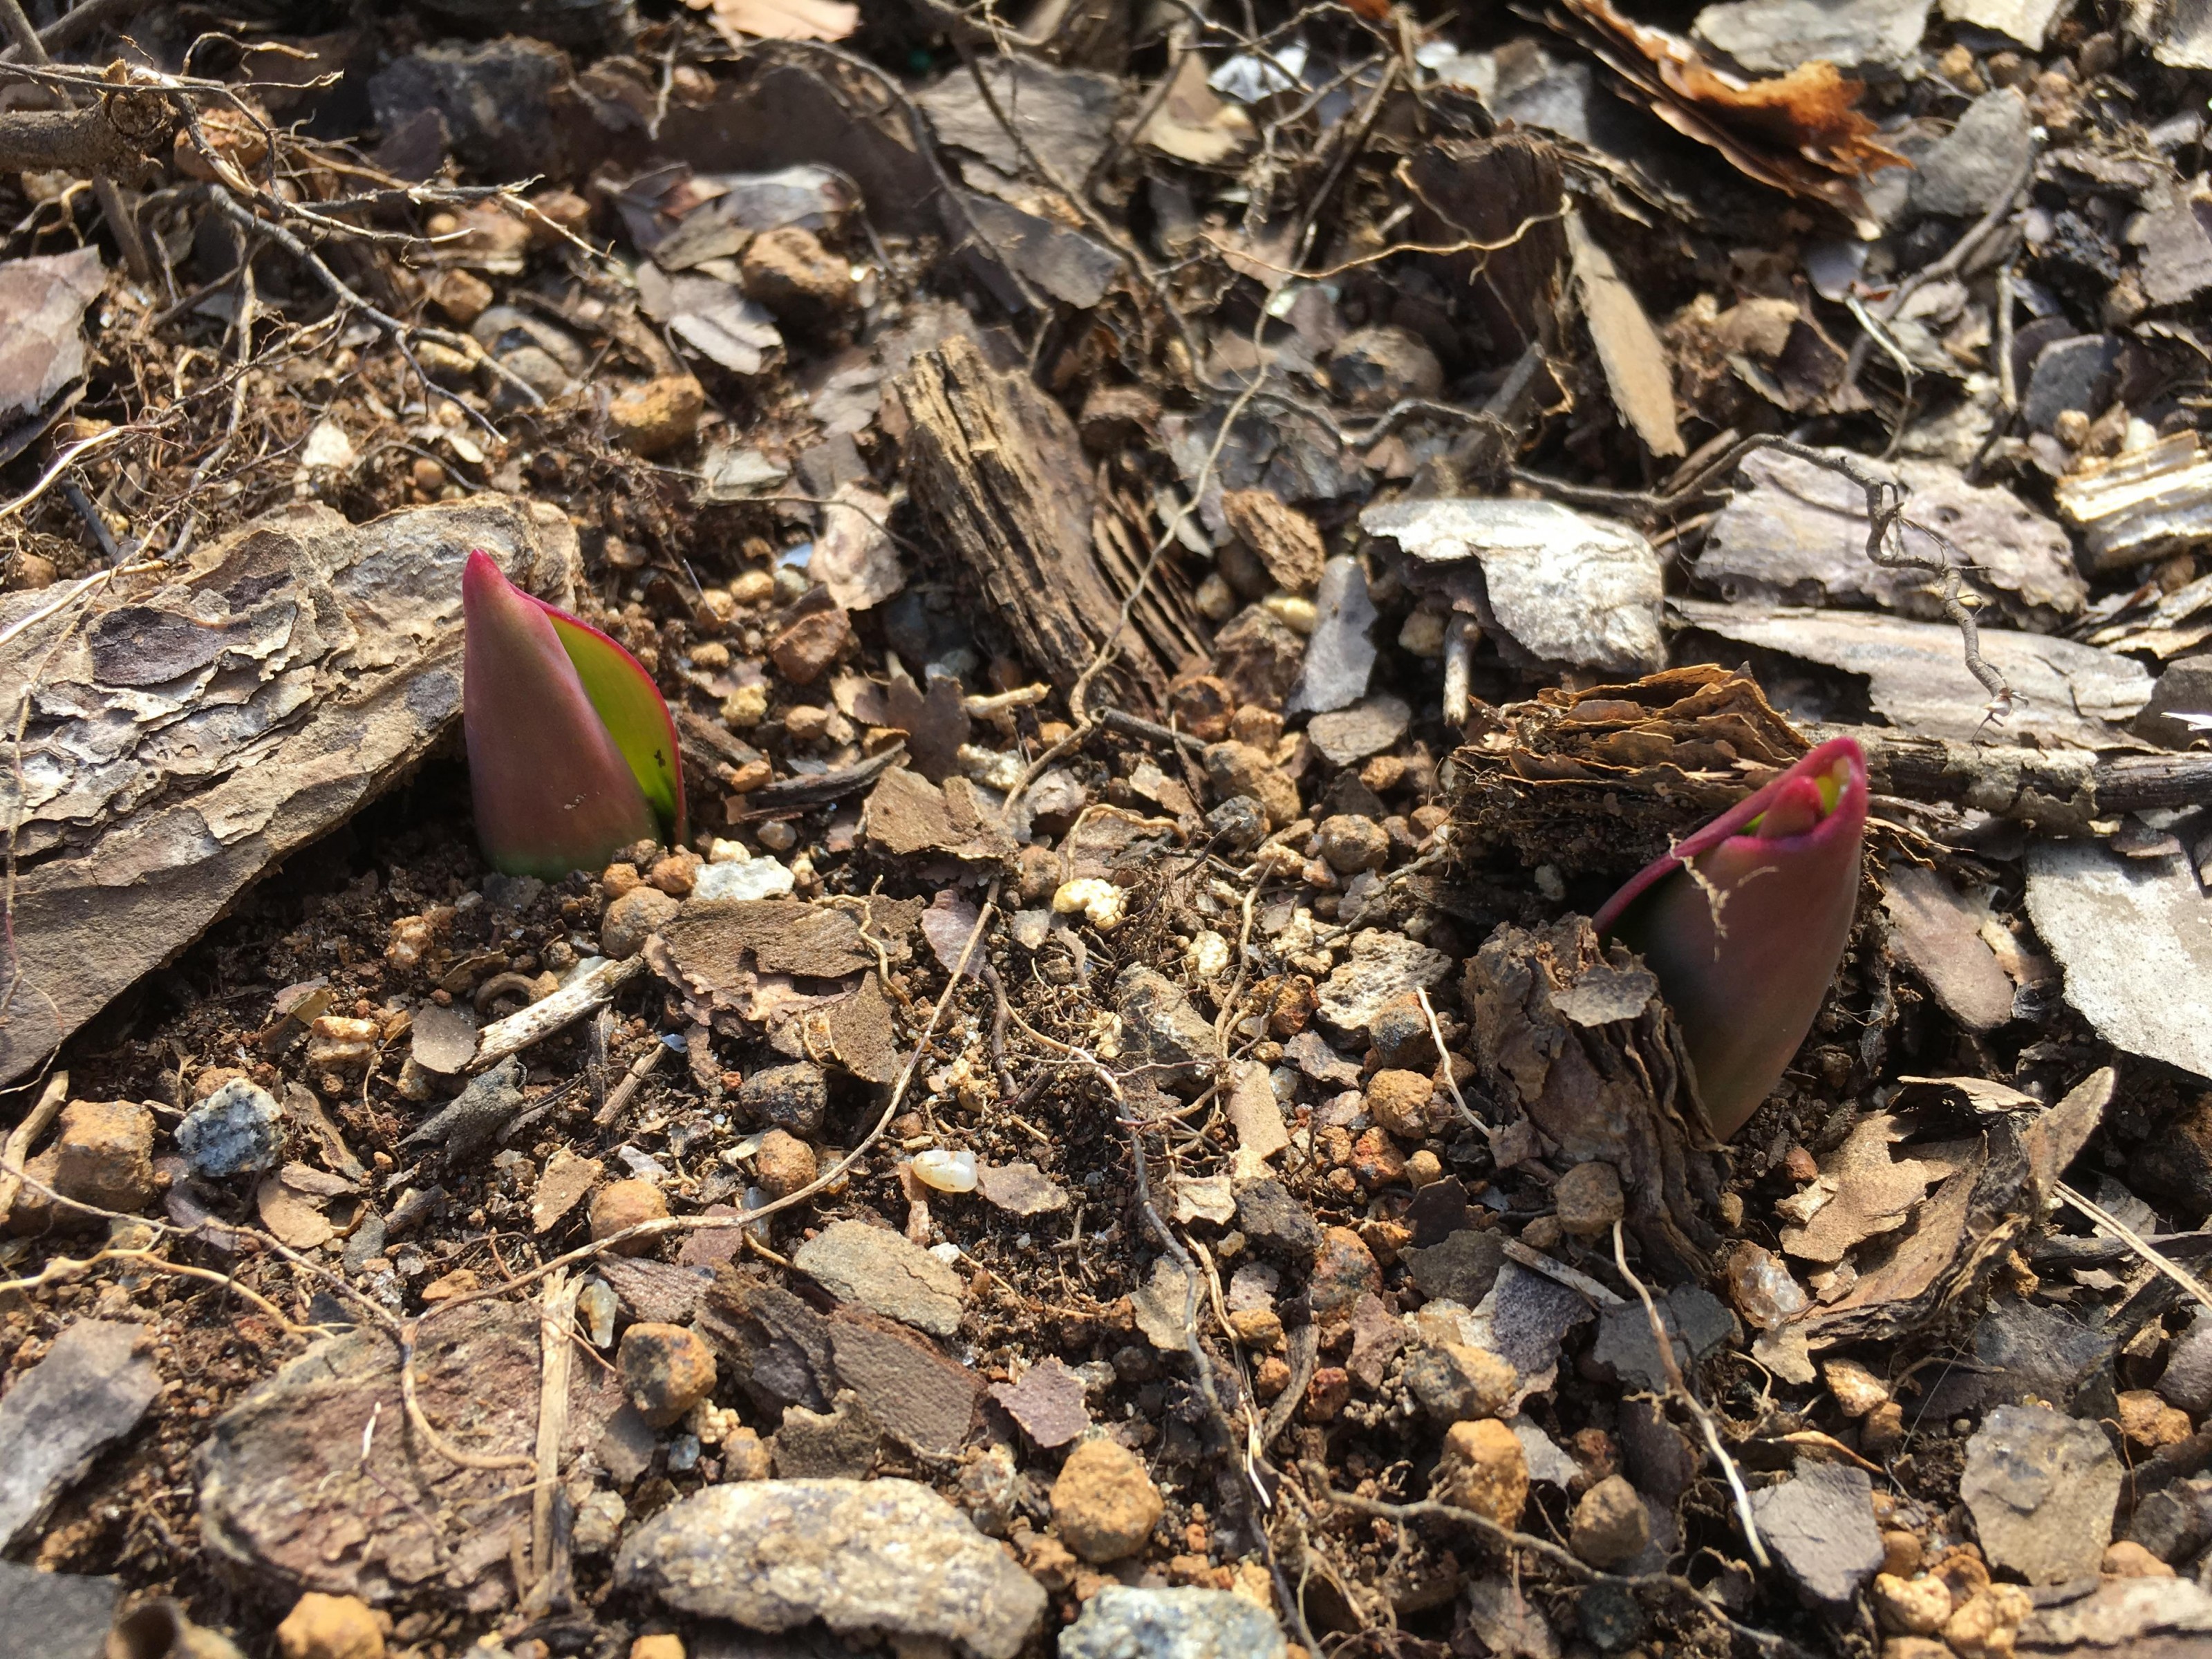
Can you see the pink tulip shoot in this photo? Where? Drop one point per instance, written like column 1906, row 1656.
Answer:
column 1745, row 921
column 572, row 751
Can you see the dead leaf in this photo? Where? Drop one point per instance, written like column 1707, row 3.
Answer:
column 443, row 1039
column 853, row 556
column 295, row 1216
column 712, row 317
column 1195, row 124
column 947, row 925
column 43, row 300
column 1937, row 931
column 936, row 723
column 1636, row 366
column 2054, row 1139
column 1020, row 1189
column 906, row 813
column 780, row 20
column 1047, row 1403
column 856, row 1032
column 1800, row 132
column 1861, row 1191
column 565, row 1180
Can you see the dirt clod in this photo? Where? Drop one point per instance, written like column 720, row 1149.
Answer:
column 1103, row 1503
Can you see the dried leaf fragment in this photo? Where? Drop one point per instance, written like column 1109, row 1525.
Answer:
column 780, row 20
column 1800, row 132
column 1866, row 1192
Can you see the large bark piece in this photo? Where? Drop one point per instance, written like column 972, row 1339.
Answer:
column 997, row 471
column 187, row 730
column 317, row 1480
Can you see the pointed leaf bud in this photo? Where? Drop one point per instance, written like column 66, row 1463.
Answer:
column 1745, row 921
column 553, row 790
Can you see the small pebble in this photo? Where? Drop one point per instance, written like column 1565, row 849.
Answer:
column 1405, row 1103
column 1101, row 903
column 1986, row 1627
column 1611, row 1526
column 776, row 835
column 658, row 416
column 632, row 918
column 1208, row 956
column 2149, row 1423
column 620, row 1205
column 675, row 874
column 2129, row 1560
column 1483, row 1469
column 656, row 1647
column 1910, row 1606
column 1588, row 1200
column 666, row 1370
column 1351, row 843
column 1857, row 1390
column 745, row 1456
column 1882, row 1430
column 1105, row 1504
column 597, row 1305
column 1456, row 1382
column 784, row 1164
column 330, row 1627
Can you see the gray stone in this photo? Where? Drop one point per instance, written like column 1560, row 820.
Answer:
column 1160, row 1027
column 89, row 1392
column 1340, row 655
column 2071, row 374
column 1383, row 966
column 1965, row 171
column 2041, row 1487
column 2174, row 1523
column 231, row 1131
column 1694, row 1317
column 2187, row 1379
column 468, row 1122
column 1820, row 1524
column 885, row 1272
column 875, row 1558
column 790, row 1097
column 1275, row 1221
column 1659, row 1457
column 1120, row 1623
column 2025, row 1350
column 2131, row 934
column 2185, row 688
column 839, row 1443
column 1773, row 37
column 1351, row 735
column 57, row 1615
column 2176, row 257
column 1239, row 822
column 1530, row 1316
column 625, row 1446
column 1462, row 1269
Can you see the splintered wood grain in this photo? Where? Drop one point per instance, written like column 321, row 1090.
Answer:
column 996, row 470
